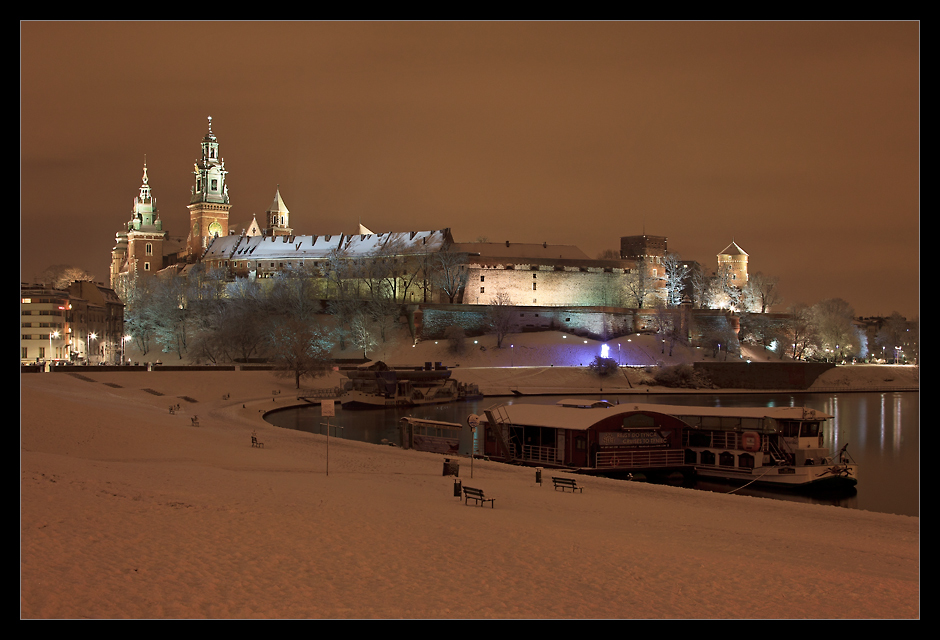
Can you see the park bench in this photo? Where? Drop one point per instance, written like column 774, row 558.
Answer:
column 566, row 483
column 256, row 443
column 476, row 494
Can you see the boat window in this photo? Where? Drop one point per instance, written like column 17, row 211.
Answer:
column 789, row 428
column 809, row 429
column 636, row 420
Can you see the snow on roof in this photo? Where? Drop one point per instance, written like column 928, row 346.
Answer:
column 581, row 418
column 733, row 250
column 302, row 247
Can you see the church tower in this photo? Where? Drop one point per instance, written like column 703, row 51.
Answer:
column 139, row 250
column 278, row 217
column 209, row 204
column 734, row 259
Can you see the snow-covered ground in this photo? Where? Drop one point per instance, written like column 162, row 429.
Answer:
column 128, row 511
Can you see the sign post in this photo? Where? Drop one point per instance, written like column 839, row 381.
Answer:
column 327, row 410
column 473, row 421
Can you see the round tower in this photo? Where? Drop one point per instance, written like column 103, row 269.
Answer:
column 734, row 260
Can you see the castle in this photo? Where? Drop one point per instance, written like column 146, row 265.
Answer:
column 477, row 273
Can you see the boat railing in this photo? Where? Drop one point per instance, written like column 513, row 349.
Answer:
column 535, row 453
column 639, row 459
column 780, row 451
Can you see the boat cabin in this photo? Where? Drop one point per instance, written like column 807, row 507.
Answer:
column 430, row 435
column 588, row 435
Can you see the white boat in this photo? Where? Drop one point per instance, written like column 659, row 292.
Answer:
column 775, row 446
column 380, row 387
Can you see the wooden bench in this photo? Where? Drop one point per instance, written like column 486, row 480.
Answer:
column 470, row 493
column 566, row 483
column 255, row 443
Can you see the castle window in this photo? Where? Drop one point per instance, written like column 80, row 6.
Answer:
column 533, row 286
column 149, row 249
column 481, row 289
column 215, row 185
column 482, row 278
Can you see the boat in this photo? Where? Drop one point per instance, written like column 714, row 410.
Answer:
column 380, row 387
column 779, row 446
column 783, row 447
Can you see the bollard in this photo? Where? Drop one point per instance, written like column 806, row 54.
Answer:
column 538, row 475
column 457, row 488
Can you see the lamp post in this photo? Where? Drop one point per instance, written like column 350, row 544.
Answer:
column 91, row 336
column 54, row 334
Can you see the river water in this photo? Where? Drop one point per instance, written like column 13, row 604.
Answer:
column 882, row 431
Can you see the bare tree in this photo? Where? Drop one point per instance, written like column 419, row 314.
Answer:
column 674, row 279
column 501, row 317
column 449, row 272
column 639, row 284
column 59, row 276
column 298, row 349
column 761, row 292
column 800, row 331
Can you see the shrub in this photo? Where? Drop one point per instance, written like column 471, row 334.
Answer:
column 604, row 366
column 456, row 339
column 682, row 376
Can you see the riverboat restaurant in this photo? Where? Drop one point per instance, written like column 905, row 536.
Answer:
column 590, row 436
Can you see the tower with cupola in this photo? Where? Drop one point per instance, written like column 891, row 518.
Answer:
column 209, row 203
column 139, row 248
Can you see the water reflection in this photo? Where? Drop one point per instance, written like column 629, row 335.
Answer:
column 889, row 477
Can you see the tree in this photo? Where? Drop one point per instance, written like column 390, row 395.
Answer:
column 761, row 292
column 298, row 349
column 800, row 331
column 59, row 276
column 449, row 273
column 638, row 284
column 834, row 327
column 675, row 275
column 501, row 316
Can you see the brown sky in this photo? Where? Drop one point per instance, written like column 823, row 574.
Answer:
column 799, row 140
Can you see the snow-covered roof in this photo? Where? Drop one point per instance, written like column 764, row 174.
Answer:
column 733, row 250
column 309, row 247
column 581, row 418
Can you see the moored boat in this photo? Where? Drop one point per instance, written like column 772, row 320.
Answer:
column 779, row 446
column 381, row 387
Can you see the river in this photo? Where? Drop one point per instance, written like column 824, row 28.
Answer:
column 882, row 431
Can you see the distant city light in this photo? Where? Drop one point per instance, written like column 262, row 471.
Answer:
column 604, row 350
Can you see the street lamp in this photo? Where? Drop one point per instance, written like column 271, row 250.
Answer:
column 54, row 334
column 91, row 336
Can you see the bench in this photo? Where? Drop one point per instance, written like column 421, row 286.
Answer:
column 470, row 493
column 566, row 483
column 255, row 443
column 195, row 421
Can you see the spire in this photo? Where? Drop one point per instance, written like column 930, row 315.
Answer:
column 278, row 205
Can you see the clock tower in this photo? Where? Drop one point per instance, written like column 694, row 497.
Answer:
column 209, row 204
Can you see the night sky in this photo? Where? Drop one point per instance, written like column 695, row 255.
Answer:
column 798, row 140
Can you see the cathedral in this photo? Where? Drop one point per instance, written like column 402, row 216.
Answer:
column 526, row 274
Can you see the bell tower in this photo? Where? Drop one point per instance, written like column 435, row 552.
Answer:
column 209, row 204
column 278, row 217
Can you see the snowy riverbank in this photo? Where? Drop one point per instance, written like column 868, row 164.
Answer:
column 127, row 511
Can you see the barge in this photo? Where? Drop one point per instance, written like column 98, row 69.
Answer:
column 380, row 387
column 778, row 446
